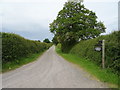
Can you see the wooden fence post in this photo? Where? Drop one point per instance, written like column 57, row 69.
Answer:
column 103, row 54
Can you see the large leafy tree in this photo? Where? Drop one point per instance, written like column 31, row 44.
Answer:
column 75, row 22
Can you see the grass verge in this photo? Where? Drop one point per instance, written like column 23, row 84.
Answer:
column 103, row 75
column 18, row 63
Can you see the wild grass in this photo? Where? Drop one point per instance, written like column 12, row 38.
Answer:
column 15, row 47
column 17, row 51
column 86, row 49
column 103, row 75
column 18, row 63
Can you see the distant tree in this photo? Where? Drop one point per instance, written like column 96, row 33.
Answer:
column 73, row 23
column 39, row 41
column 46, row 40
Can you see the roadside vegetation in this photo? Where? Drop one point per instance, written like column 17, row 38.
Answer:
column 17, row 50
column 76, row 32
column 74, row 23
column 84, row 55
column 11, row 65
column 86, row 50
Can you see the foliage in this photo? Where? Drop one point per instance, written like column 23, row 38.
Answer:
column 46, row 40
column 15, row 47
column 112, row 51
column 54, row 40
column 39, row 41
column 75, row 22
column 104, row 75
column 8, row 66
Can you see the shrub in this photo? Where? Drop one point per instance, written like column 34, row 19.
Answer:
column 112, row 51
column 15, row 47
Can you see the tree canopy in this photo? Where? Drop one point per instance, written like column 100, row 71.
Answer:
column 46, row 40
column 75, row 22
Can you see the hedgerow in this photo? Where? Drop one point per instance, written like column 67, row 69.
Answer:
column 112, row 51
column 15, row 47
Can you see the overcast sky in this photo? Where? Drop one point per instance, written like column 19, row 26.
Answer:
column 31, row 18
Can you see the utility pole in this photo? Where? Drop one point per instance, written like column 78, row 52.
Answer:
column 103, row 54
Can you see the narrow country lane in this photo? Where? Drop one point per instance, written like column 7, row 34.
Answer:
column 49, row 71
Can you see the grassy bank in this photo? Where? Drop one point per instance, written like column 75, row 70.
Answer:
column 103, row 75
column 86, row 50
column 18, row 63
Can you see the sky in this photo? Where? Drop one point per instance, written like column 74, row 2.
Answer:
column 31, row 18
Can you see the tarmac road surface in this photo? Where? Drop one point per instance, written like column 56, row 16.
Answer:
column 50, row 71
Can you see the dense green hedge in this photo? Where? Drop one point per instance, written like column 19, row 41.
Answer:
column 15, row 47
column 112, row 50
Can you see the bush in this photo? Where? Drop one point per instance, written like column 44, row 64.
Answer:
column 112, row 51
column 15, row 47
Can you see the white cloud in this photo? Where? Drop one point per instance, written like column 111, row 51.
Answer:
column 36, row 12
column 0, row 18
column 107, row 12
column 30, row 18
column 31, row 1
column 101, row 0
column 33, row 16
column 46, row 1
